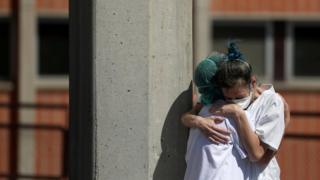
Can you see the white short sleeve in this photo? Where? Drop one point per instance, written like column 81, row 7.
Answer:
column 270, row 126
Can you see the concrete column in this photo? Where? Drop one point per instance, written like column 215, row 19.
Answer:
column 201, row 34
column 27, row 91
column 202, row 30
column 142, row 72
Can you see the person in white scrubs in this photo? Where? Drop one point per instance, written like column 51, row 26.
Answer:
column 256, row 116
column 206, row 160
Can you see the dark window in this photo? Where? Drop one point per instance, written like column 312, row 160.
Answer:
column 4, row 49
column 251, row 41
column 306, row 51
column 54, row 47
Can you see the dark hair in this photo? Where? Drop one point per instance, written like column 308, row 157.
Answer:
column 231, row 71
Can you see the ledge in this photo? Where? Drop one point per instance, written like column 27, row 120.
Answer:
column 5, row 85
column 298, row 85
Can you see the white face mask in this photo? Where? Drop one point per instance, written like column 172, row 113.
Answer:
column 244, row 102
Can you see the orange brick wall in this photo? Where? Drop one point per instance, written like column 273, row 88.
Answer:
column 4, row 134
column 4, row 5
column 265, row 6
column 299, row 158
column 303, row 101
column 43, row 5
column 53, row 5
column 49, row 144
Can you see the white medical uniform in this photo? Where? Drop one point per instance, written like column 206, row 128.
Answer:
column 267, row 111
column 207, row 161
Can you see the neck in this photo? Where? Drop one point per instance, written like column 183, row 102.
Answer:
column 256, row 93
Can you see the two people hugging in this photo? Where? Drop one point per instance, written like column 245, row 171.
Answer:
column 237, row 127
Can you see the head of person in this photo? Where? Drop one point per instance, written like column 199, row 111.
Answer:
column 204, row 78
column 235, row 78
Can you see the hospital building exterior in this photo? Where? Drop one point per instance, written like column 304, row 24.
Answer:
column 279, row 38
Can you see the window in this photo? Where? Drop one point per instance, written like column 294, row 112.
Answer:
column 306, row 56
column 281, row 51
column 53, row 47
column 252, row 42
column 4, row 49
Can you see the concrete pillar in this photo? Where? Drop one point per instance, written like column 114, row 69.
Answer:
column 202, row 30
column 201, row 34
column 27, row 90
column 138, row 65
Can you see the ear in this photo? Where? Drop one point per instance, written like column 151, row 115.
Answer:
column 254, row 81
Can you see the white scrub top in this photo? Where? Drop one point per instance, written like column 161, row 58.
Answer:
column 208, row 161
column 267, row 111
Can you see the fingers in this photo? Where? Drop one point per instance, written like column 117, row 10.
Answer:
column 218, row 139
column 286, row 114
column 213, row 128
column 216, row 111
column 217, row 135
column 222, row 131
column 286, row 111
column 221, row 139
column 218, row 120
column 214, row 141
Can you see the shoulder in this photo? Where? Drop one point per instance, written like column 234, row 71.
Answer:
column 270, row 97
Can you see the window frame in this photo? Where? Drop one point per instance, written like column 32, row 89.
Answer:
column 268, row 42
column 49, row 81
column 290, row 77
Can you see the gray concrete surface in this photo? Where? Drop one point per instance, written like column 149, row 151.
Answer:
column 130, row 81
column 202, row 30
column 143, row 69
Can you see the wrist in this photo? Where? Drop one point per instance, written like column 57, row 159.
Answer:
column 199, row 122
column 240, row 114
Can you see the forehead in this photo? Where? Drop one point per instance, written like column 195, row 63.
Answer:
column 238, row 91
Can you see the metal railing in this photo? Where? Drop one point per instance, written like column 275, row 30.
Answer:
column 303, row 135
column 43, row 127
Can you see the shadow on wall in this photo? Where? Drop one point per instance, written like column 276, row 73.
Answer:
column 174, row 136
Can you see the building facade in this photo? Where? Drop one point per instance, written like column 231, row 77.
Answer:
column 278, row 37
column 42, row 105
